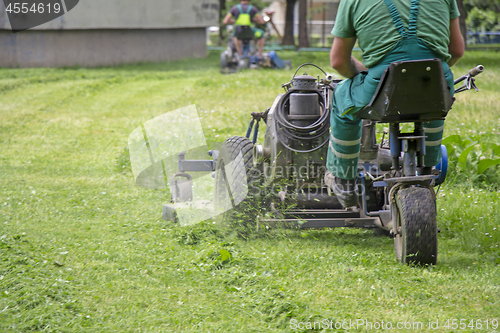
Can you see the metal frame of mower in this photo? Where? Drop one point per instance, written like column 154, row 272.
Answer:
column 396, row 192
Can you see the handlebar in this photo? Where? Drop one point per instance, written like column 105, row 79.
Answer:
column 469, row 79
column 476, row 70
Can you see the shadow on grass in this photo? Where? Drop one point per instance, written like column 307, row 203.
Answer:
column 349, row 237
column 468, row 260
column 211, row 62
column 44, row 75
column 457, row 262
column 341, row 237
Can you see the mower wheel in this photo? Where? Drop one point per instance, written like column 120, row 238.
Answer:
column 224, row 56
column 236, row 181
column 416, row 226
column 243, row 63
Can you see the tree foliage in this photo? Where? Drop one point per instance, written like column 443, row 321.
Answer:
column 482, row 15
column 493, row 5
column 226, row 5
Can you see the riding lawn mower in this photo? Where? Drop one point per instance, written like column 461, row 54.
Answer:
column 283, row 175
column 231, row 61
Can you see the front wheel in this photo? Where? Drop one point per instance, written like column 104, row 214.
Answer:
column 236, row 182
column 416, row 227
column 243, row 63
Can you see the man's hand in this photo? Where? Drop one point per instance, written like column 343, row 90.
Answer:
column 259, row 19
column 341, row 57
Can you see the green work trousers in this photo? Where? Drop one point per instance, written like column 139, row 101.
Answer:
column 352, row 95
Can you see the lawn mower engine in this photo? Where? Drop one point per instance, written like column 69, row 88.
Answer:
column 284, row 175
column 292, row 160
column 293, row 155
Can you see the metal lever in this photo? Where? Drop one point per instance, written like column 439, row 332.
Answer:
column 469, row 79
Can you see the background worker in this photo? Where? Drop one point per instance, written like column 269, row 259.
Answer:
column 243, row 16
column 386, row 31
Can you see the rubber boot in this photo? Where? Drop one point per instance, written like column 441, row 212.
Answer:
column 344, row 189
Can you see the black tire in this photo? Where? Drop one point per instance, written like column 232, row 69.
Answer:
column 224, row 63
column 237, row 182
column 416, row 238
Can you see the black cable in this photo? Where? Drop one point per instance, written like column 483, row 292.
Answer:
column 307, row 64
column 298, row 133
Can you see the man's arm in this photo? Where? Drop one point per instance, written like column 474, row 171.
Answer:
column 259, row 19
column 228, row 19
column 457, row 45
column 341, row 57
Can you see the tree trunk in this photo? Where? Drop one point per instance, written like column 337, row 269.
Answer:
column 222, row 9
column 288, row 38
column 461, row 19
column 303, row 34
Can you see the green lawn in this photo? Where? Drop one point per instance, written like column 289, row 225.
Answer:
column 82, row 248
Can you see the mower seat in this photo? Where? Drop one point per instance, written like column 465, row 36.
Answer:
column 244, row 33
column 410, row 91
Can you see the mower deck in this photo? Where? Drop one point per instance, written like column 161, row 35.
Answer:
column 320, row 218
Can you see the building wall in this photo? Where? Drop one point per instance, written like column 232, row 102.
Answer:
column 99, row 47
column 111, row 32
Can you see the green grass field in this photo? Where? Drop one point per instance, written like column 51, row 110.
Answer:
column 83, row 249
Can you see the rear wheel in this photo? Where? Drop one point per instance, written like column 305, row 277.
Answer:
column 243, row 63
column 236, row 182
column 416, row 237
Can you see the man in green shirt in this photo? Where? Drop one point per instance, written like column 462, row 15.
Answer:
column 386, row 31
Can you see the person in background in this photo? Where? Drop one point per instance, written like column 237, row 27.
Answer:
column 243, row 16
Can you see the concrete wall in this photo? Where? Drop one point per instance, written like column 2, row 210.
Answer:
column 90, row 48
column 110, row 32
column 132, row 14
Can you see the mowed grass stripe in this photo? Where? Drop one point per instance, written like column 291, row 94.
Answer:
column 83, row 249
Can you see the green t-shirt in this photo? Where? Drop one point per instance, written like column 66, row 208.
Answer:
column 371, row 22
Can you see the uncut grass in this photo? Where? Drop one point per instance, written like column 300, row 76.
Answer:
column 84, row 249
